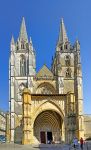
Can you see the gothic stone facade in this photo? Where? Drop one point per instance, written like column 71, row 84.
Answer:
column 52, row 107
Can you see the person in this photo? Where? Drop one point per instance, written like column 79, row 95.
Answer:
column 75, row 142
column 81, row 143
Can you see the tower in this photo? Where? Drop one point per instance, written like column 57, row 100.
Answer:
column 79, row 90
column 66, row 66
column 63, row 63
column 21, row 73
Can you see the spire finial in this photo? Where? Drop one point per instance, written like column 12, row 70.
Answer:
column 62, row 35
column 23, row 32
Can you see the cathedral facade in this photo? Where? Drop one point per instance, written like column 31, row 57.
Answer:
column 46, row 106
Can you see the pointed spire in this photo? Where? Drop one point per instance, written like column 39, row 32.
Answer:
column 12, row 40
column 77, row 44
column 31, row 41
column 62, row 35
column 31, row 45
column 12, row 44
column 23, row 32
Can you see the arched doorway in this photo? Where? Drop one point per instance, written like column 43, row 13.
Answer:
column 48, row 127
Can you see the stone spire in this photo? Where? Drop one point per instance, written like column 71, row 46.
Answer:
column 62, row 35
column 23, row 33
column 12, row 40
column 12, row 44
column 31, row 41
column 77, row 45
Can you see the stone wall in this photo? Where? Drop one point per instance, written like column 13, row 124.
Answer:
column 87, row 126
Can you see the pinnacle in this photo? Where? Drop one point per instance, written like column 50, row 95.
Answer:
column 23, row 33
column 77, row 41
column 12, row 40
column 62, row 35
column 30, row 40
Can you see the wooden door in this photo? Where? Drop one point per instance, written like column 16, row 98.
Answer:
column 42, row 137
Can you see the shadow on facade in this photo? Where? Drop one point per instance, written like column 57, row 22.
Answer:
column 48, row 128
column 18, row 135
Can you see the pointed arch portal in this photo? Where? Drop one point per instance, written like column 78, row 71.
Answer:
column 48, row 127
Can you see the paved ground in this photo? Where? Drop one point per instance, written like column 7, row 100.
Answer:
column 8, row 146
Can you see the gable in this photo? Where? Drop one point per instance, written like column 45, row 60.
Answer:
column 44, row 73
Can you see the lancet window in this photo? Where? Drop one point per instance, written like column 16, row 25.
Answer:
column 68, row 73
column 22, row 66
column 67, row 60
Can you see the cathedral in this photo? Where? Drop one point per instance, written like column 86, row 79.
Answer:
column 45, row 106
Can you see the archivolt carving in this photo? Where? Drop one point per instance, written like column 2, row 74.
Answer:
column 52, row 106
column 45, row 88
